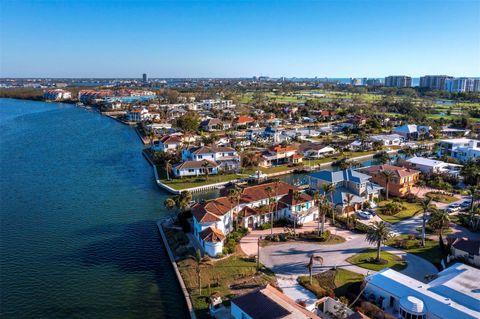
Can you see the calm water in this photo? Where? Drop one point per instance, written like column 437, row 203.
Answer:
column 78, row 210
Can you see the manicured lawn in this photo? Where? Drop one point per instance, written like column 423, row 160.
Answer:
column 410, row 210
column 232, row 276
column 276, row 169
column 340, row 281
column 441, row 198
column 410, row 244
column 365, row 260
column 183, row 183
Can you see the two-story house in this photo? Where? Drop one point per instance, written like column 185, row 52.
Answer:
column 401, row 183
column 278, row 155
column 412, row 131
column 462, row 149
column 213, row 220
column 227, row 158
column 168, row 143
column 346, row 182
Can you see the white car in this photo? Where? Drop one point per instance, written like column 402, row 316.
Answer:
column 453, row 208
column 364, row 215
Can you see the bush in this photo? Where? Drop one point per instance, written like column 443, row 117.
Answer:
column 392, row 208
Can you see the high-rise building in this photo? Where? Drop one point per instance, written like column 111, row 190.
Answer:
column 374, row 82
column 400, row 81
column 434, row 82
column 144, row 77
column 459, row 85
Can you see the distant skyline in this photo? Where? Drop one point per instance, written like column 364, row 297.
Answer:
column 335, row 39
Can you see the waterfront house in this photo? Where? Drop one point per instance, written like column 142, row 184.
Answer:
column 454, row 293
column 315, row 150
column 138, row 115
column 461, row 149
column 195, row 168
column 268, row 303
column 226, row 157
column 346, row 182
column 168, row 143
column 412, row 131
column 254, row 208
column 428, row 166
column 57, row 95
column 278, row 155
column 402, row 182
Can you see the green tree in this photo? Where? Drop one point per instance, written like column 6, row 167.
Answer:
column 311, row 262
column 329, row 189
column 426, row 206
column 388, row 176
column 378, row 234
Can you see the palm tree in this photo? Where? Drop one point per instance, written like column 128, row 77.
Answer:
column 440, row 220
column 269, row 192
column 330, row 189
column 199, row 262
column 169, row 203
column 388, row 176
column 167, row 169
column 426, row 206
column 205, row 166
column 313, row 258
column 348, row 201
column 232, row 198
column 379, row 233
column 316, row 198
column 297, row 196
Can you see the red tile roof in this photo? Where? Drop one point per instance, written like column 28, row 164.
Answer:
column 290, row 200
column 399, row 171
column 195, row 164
column 212, row 210
column 280, row 149
column 257, row 192
column 244, row 119
column 167, row 139
column 212, row 234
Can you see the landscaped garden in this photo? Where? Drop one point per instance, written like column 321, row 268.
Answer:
column 394, row 211
column 441, row 197
column 367, row 259
column 334, row 282
column 409, row 243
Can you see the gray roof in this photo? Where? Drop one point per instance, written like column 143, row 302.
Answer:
column 336, row 177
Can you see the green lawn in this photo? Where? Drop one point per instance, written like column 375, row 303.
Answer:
column 228, row 277
column 183, row 183
column 276, row 169
column 410, row 244
column 441, row 198
column 340, row 281
column 365, row 258
column 410, row 210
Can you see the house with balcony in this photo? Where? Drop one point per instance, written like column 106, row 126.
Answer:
column 212, row 125
column 429, row 166
column 227, row 158
column 388, row 139
column 256, row 206
column 347, row 182
column 404, row 179
column 461, row 149
column 280, row 155
column 138, row 115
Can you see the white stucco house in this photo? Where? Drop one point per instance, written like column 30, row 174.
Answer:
column 462, row 149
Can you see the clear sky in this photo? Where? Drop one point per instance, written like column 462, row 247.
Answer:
column 343, row 38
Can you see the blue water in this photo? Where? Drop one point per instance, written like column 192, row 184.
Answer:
column 78, row 208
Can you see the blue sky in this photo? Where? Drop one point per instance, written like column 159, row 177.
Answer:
column 239, row 38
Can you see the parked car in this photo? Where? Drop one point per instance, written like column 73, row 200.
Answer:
column 364, row 215
column 453, row 208
column 466, row 204
column 372, row 212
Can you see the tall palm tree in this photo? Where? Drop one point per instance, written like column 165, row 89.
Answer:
column 232, row 198
column 316, row 198
column 330, row 189
column 426, row 206
column 205, row 166
column 388, row 176
column 296, row 196
column 313, row 259
column 167, row 169
column 441, row 220
column 269, row 192
column 379, row 233
column 348, row 201
column 199, row 262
